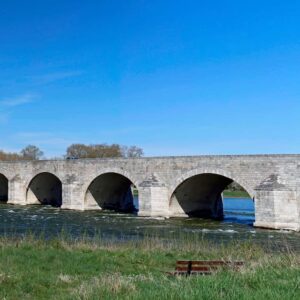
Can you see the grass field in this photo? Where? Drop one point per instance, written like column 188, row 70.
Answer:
column 236, row 194
column 33, row 268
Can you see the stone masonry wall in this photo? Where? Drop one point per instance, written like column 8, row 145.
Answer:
column 272, row 180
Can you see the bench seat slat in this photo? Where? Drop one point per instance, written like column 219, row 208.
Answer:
column 209, row 262
column 203, row 267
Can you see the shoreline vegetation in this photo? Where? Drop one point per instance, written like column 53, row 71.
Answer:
column 235, row 194
column 64, row 268
column 234, row 190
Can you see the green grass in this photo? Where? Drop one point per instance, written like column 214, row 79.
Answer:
column 135, row 192
column 236, row 194
column 32, row 268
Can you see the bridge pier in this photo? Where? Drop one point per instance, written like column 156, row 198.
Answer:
column 277, row 210
column 16, row 191
column 277, row 206
column 153, row 202
column 72, row 194
column 153, row 198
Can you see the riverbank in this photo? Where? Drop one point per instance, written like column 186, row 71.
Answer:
column 62, row 268
column 235, row 194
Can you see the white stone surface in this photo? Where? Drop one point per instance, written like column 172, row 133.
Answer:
column 272, row 180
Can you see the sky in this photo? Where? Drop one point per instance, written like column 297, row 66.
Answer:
column 173, row 77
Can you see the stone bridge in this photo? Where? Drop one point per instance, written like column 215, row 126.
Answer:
column 167, row 186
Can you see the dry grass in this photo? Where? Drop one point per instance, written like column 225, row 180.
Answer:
column 65, row 268
column 113, row 284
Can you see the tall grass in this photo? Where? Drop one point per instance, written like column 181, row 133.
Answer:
column 32, row 267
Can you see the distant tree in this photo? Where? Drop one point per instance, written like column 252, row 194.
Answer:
column 132, row 151
column 102, row 151
column 94, row 151
column 32, row 152
column 234, row 186
column 10, row 156
column 77, row 151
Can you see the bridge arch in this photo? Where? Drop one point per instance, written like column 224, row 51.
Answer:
column 199, row 192
column 3, row 188
column 44, row 188
column 111, row 191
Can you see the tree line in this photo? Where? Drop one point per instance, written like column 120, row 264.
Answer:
column 234, row 187
column 30, row 152
column 76, row 151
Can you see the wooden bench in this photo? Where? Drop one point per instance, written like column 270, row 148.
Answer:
column 204, row 267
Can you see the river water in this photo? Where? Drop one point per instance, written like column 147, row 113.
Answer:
column 50, row 222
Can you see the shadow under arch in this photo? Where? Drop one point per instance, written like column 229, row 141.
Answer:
column 112, row 191
column 200, row 195
column 44, row 188
column 3, row 188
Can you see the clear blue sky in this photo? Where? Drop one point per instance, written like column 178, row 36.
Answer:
column 174, row 77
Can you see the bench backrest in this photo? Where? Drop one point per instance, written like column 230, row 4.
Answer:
column 205, row 265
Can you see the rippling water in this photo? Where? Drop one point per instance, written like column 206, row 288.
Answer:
column 49, row 221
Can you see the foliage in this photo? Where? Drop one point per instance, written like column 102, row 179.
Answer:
column 32, row 152
column 102, row 151
column 236, row 194
column 235, row 190
column 132, row 151
column 10, row 156
column 234, row 186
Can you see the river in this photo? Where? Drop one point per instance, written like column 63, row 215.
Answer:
column 49, row 221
